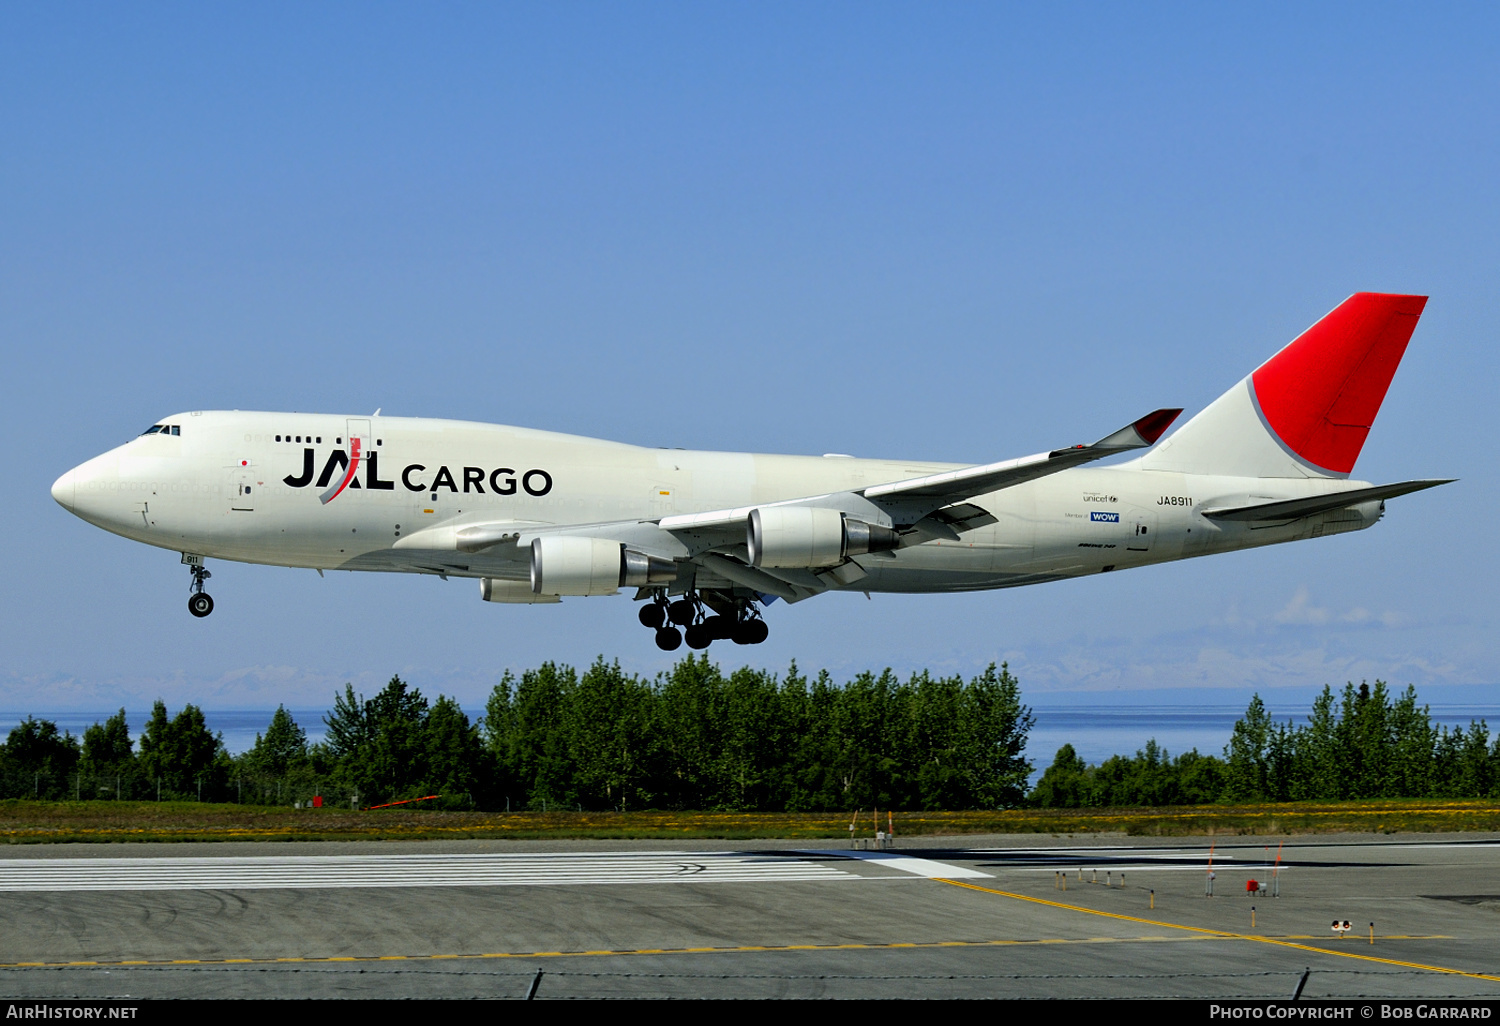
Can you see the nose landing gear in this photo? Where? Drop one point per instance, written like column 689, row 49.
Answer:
column 200, row 603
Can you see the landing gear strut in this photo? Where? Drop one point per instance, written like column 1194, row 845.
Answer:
column 200, row 603
column 726, row 619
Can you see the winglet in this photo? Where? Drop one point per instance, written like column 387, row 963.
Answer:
column 1153, row 425
column 1136, row 435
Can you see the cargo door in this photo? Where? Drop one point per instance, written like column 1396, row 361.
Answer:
column 1142, row 532
column 242, row 488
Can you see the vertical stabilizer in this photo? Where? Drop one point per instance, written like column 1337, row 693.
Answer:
column 1307, row 410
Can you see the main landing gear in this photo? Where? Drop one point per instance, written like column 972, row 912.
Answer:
column 719, row 618
column 200, row 603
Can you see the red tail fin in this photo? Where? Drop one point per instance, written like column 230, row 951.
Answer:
column 1321, row 393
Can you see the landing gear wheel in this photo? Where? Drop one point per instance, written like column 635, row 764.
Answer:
column 751, row 632
column 698, row 637
column 199, row 604
column 720, row 628
column 668, row 639
column 682, row 612
column 653, row 615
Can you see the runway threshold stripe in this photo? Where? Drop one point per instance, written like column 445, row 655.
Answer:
column 1222, row 934
column 905, row 863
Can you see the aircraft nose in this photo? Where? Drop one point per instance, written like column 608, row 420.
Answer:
column 64, row 488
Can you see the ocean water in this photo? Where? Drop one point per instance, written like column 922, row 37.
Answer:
column 1096, row 730
column 238, row 726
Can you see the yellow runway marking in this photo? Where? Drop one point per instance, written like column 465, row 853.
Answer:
column 1224, row 934
column 1199, row 935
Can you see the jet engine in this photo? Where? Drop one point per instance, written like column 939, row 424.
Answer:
column 806, row 536
column 570, row 565
column 494, row 589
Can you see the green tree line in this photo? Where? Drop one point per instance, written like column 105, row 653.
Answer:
column 1361, row 743
column 696, row 738
column 557, row 738
column 175, row 757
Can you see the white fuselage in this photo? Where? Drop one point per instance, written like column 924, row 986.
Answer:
column 225, row 488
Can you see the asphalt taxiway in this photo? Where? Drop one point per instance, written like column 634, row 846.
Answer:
column 1017, row 916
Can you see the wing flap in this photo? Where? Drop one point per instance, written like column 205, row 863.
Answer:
column 465, row 537
column 752, row 577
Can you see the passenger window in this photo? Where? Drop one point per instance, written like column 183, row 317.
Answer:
column 278, row 438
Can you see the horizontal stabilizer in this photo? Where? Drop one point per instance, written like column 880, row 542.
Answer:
column 1292, row 509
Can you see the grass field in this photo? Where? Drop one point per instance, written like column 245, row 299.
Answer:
column 31, row 822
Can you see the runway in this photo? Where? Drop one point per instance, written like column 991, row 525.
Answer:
column 616, row 919
column 342, row 871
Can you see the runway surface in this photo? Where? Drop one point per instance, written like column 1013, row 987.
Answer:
column 340, row 871
column 990, row 918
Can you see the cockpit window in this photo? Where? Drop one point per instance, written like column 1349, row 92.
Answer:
column 163, row 429
column 153, row 429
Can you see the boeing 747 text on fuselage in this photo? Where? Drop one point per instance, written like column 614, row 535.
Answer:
column 707, row 539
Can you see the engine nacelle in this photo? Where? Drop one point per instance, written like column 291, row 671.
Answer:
column 494, row 589
column 571, row 565
column 809, row 537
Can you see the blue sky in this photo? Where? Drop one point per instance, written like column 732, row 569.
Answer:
column 956, row 232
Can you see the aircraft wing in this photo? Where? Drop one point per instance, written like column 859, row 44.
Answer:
column 1291, row 509
column 907, row 502
column 956, row 485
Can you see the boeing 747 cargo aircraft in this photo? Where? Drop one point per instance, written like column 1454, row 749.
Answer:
column 707, row 539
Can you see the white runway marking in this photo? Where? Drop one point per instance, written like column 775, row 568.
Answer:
column 1145, row 867
column 338, row 871
column 1450, row 844
column 1102, row 853
column 907, row 864
column 1116, row 860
